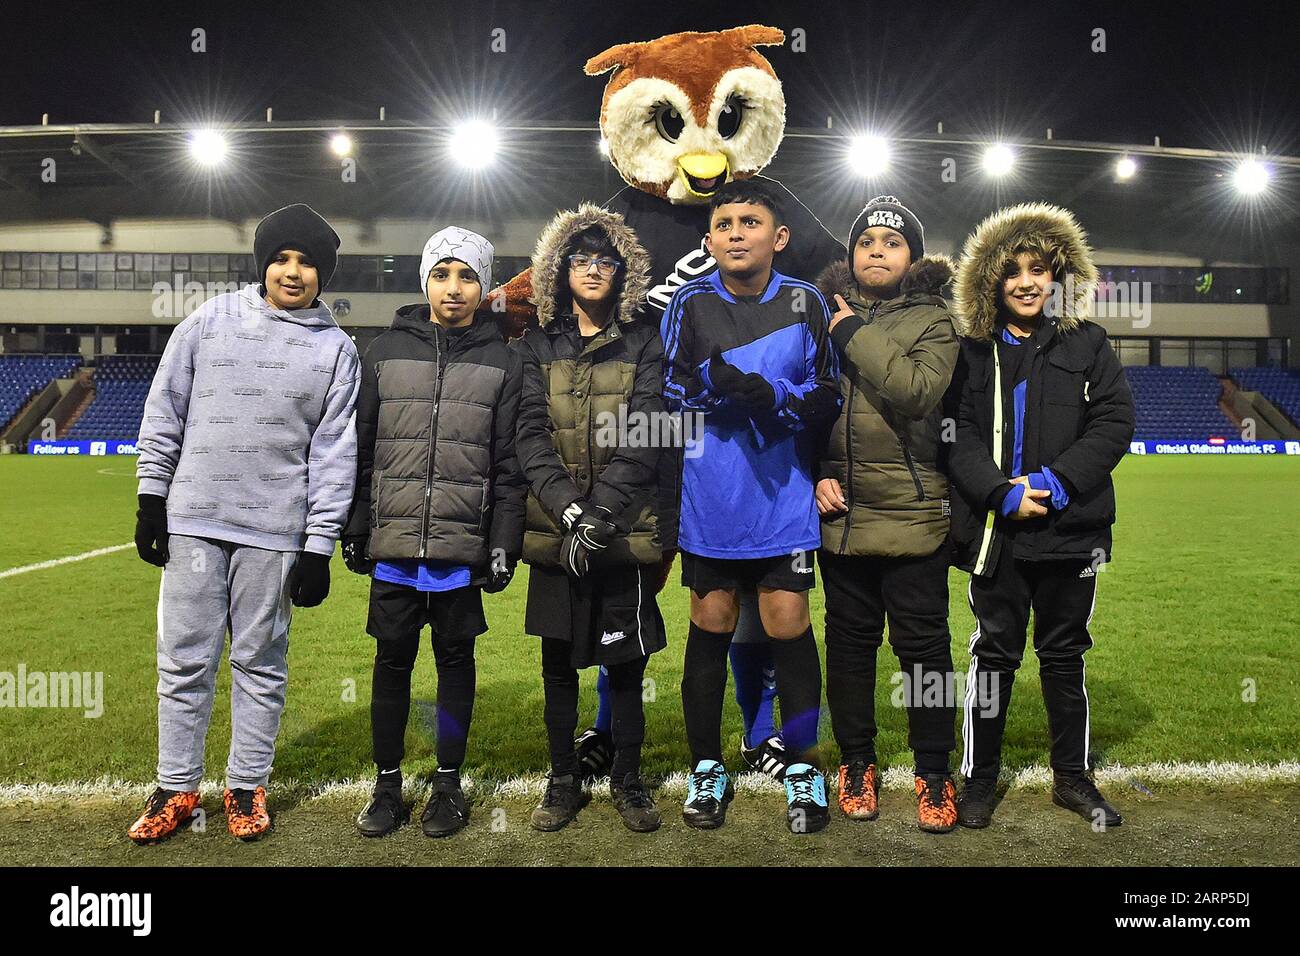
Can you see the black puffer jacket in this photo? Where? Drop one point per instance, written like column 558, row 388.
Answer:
column 581, row 406
column 437, row 474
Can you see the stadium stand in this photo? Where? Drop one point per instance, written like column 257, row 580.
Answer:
column 1177, row 403
column 22, row 376
column 121, row 387
column 1281, row 386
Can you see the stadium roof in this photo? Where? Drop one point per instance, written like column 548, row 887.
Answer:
column 403, row 170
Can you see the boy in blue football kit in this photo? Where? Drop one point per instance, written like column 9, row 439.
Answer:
column 747, row 348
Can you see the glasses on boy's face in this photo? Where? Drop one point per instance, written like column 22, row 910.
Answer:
column 604, row 266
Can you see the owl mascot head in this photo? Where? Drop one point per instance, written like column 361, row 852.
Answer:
column 682, row 115
column 685, row 113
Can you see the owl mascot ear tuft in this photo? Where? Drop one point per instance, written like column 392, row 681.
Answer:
column 626, row 54
column 756, row 35
column 614, row 57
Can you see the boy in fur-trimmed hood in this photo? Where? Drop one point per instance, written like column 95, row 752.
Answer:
column 604, row 499
column 1044, row 416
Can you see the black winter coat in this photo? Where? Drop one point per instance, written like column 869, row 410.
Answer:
column 1079, row 420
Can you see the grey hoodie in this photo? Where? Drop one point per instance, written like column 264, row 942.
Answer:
column 249, row 430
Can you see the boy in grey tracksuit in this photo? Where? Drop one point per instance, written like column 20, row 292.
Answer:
column 247, row 465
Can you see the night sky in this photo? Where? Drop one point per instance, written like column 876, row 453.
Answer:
column 1222, row 78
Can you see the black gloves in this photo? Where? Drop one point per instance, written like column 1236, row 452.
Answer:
column 354, row 554
column 498, row 576
column 309, row 581
column 151, row 530
column 591, row 526
column 748, row 388
column 588, row 530
column 575, row 557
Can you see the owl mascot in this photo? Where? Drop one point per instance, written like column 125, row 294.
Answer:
column 682, row 115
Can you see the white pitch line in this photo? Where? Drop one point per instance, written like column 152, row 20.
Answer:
column 532, row 787
column 54, row 563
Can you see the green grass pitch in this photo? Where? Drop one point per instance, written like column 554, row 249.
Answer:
column 1198, row 607
column 1194, row 631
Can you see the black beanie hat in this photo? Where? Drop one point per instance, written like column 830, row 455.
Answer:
column 888, row 211
column 298, row 227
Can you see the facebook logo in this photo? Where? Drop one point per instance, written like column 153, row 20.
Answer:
column 99, row 448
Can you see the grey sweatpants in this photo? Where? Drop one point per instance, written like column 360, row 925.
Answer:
column 208, row 588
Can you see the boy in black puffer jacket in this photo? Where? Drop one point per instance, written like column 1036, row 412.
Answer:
column 439, row 511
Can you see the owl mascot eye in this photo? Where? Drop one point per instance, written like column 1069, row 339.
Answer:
column 683, row 115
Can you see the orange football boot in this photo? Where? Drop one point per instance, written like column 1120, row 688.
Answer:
column 165, row 811
column 858, row 790
column 936, row 803
column 246, row 814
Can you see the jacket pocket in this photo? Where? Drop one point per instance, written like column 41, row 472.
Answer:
column 1064, row 391
column 912, row 471
column 1090, row 512
column 399, row 498
column 1064, row 383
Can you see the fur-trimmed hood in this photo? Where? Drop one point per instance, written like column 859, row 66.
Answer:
column 555, row 238
column 995, row 242
column 926, row 276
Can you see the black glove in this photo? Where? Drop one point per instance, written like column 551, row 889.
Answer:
column 498, row 576
column 590, row 526
column 748, row 388
column 354, row 554
column 309, row 581
column 151, row 530
column 574, row 556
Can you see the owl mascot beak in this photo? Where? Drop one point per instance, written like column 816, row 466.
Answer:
column 703, row 173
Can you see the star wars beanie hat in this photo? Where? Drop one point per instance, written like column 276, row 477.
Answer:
column 297, row 227
column 888, row 211
column 461, row 244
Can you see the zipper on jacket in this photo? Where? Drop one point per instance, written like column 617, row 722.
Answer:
column 591, row 434
column 433, row 441
column 848, row 449
column 591, row 378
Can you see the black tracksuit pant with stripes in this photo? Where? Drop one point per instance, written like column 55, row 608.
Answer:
column 1061, row 595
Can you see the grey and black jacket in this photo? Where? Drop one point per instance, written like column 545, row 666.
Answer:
column 580, row 406
column 437, row 474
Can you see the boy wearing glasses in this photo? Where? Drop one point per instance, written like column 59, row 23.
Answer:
column 602, row 495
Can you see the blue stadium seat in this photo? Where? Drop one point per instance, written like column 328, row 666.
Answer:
column 1281, row 386
column 121, row 387
column 1177, row 403
column 22, row 376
